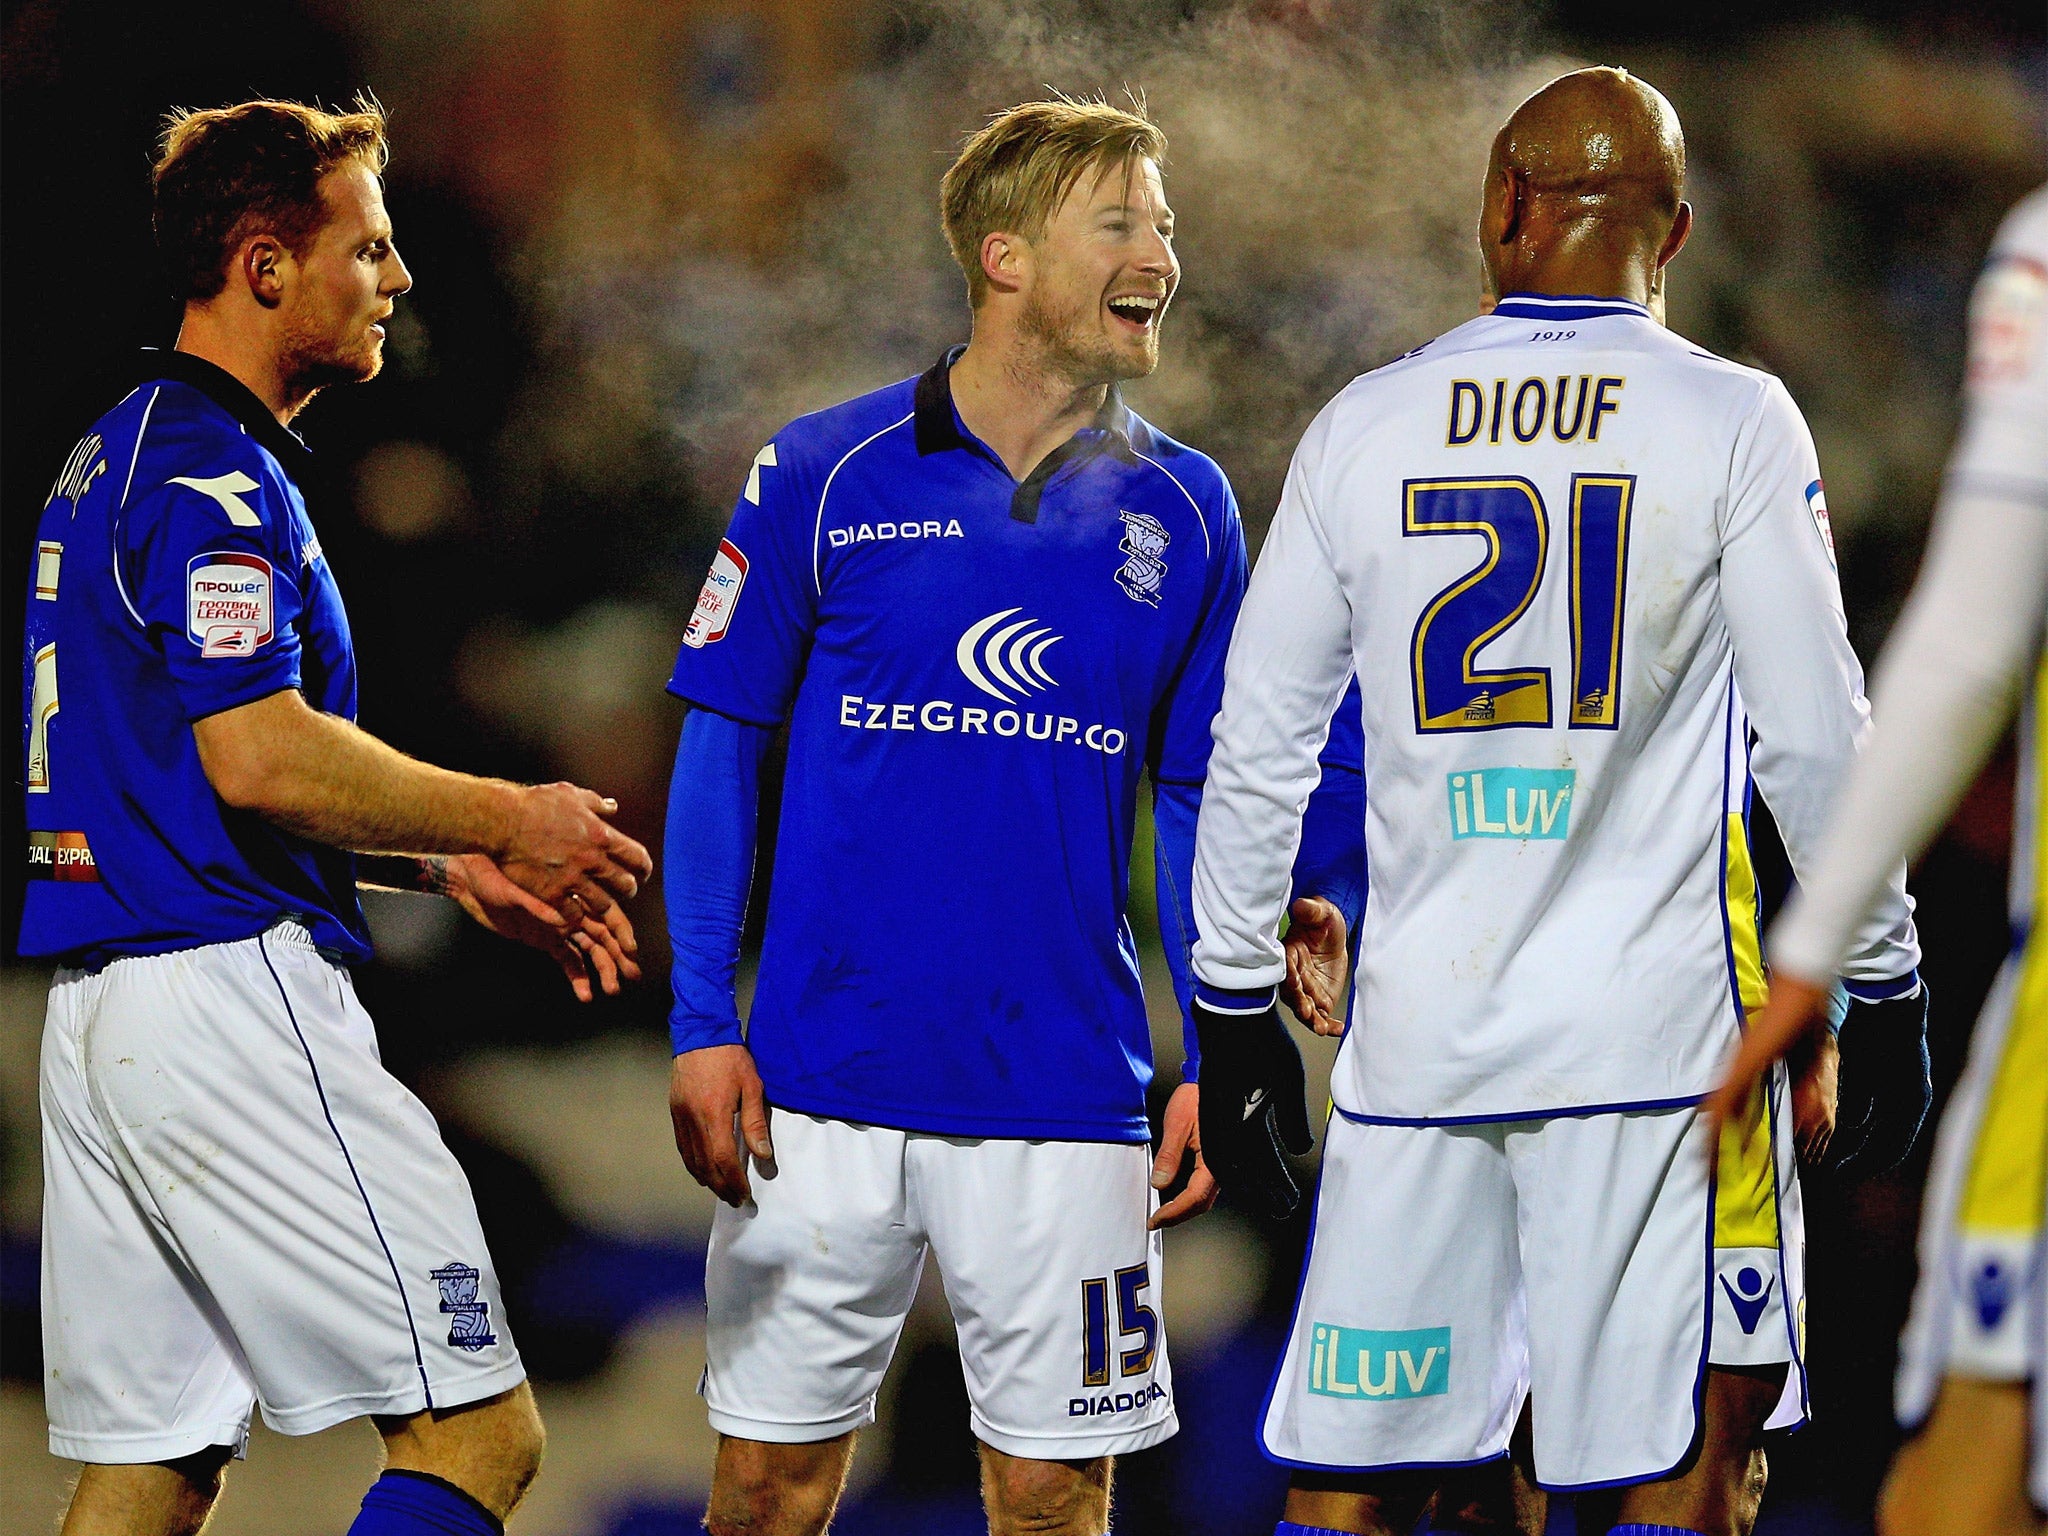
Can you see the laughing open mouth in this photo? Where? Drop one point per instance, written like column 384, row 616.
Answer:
column 1135, row 308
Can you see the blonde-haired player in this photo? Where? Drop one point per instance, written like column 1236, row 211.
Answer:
column 984, row 600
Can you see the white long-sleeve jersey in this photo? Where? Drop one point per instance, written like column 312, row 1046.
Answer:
column 1573, row 559
column 1946, row 683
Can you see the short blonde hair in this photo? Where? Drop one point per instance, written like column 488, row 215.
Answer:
column 1014, row 173
column 223, row 171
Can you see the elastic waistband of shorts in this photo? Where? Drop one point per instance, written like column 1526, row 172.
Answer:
column 290, row 931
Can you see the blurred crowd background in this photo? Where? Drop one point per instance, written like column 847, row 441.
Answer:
column 647, row 232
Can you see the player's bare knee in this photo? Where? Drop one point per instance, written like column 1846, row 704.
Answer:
column 1026, row 1497
column 760, row 1488
column 165, row 1498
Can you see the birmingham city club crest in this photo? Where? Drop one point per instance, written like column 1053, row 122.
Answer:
column 470, row 1324
column 1144, row 542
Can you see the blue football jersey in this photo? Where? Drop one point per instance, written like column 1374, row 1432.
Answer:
column 176, row 575
column 975, row 671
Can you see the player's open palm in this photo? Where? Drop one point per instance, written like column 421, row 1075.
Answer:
column 564, row 851
column 1318, row 965
column 601, row 945
column 720, row 1112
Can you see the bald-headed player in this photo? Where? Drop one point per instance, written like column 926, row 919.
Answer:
column 1578, row 564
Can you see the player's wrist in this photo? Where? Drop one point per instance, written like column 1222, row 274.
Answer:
column 687, row 1034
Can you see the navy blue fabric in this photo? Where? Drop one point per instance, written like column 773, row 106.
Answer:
column 1176, row 808
column 708, row 856
column 974, row 674
column 415, row 1504
column 178, row 575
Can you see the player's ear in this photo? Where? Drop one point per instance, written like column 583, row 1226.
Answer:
column 261, row 267
column 1681, row 228
column 1005, row 261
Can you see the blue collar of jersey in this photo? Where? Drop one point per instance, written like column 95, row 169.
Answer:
column 937, row 428
column 1565, row 306
column 237, row 399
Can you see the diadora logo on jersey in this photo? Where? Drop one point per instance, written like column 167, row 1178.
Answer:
column 1748, row 1293
column 1379, row 1365
column 1817, row 504
column 228, row 607
column 1144, row 541
column 469, row 1327
column 1007, row 661
column 1114, row 1402
column 722, row 586
column 1511, row 802
column 227, row 490
column 864, row 533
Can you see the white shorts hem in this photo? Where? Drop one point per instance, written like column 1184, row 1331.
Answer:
column 808, row 1433
column 401, row 1404
column 1075, row 1447
column 140, row 1450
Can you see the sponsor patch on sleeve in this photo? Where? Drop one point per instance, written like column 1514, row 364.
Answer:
column 1817, row 504
column 722, row 584
column 228, row 605
column 2006, row 315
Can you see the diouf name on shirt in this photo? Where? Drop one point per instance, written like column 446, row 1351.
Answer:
column 940, row 716
column 931, row 528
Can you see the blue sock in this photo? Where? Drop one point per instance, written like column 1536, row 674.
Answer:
column 1652, row 1530
column 1296, row 1528
column 421, row 1504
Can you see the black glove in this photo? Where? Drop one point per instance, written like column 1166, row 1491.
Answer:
column 1254, row 1105
column 1885, row 1085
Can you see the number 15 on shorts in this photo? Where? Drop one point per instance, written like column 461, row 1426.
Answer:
column 1133, row 1317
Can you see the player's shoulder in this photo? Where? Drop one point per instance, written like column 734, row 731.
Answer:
column 2023, row 234
column 1200, row 478
column 811, row 446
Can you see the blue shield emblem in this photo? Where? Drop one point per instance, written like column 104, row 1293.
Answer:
column 1144, row 542
column 469, row 1324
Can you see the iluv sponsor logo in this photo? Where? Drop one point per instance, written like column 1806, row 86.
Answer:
column 1377, row 1365
column 1511, row 802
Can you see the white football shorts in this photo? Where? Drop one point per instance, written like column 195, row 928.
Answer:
column 1053, row 1281
column 1980, row 1308
column 242, row 1206
column 1590, row 1263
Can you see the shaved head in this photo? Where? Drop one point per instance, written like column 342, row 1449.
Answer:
column 1586, row 175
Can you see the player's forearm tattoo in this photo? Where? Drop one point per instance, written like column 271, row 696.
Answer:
column 433, row 876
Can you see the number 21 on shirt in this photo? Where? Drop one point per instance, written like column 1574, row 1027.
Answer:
column 1452, row 692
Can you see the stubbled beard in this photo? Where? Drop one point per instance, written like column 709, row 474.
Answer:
column 314, row 360
column 1081, row 355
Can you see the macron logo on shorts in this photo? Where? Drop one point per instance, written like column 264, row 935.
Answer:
column 1379, row 1365
column 228, row 605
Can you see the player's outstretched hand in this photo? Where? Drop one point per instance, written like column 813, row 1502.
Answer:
column 563, row 850
column 1180, row 1138
column 709, row 1092
column 1796, row 1009
column 1318, row 964
column 604, row 946
column 1886, row 1085
column 1254, row 1107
